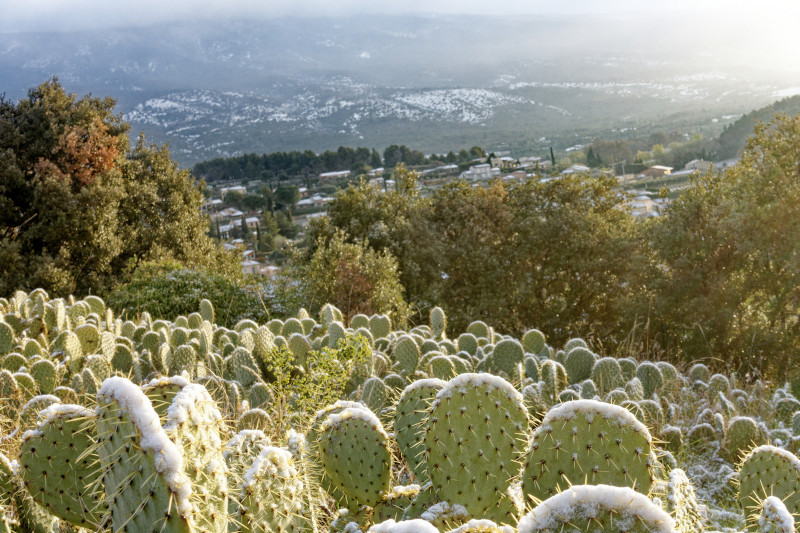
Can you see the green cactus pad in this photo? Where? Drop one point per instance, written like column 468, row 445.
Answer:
column 59, row 465
column 475, row 437
column 406, row 353
column 507, row 354
column 270, row 494
column 769, row 471
column 411, row 412
column 579, row 364
column 355, row 454
column 741, row 434
column 587, row 442
column 395, row 503
column 194, row 424
column 142, row 468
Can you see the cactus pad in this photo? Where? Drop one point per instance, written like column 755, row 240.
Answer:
column 475, row 438
column 587, row 442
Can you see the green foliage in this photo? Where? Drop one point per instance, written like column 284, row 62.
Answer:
column 299, row 395
column 167, row 290
column 731, row 281
column 353, row 277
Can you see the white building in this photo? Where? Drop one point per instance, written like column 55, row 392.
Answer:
column 335, row 175
column 226, row 190
column 483, row 171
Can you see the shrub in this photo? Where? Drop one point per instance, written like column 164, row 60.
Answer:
column 167, row 289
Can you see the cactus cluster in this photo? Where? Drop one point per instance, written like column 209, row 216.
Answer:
column 149, row 424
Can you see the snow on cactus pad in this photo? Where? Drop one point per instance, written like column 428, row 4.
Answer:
column 587, row 442
column 774, row 517
column 594, row 508
column 475, row 438
column 406, row 526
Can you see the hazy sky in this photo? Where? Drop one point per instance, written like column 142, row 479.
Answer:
column 81, row 14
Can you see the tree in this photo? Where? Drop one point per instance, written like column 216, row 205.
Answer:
column 245, row 231
column 252, row 202
column 78, row 210
column 286, row 196
column 234, row 198
column 353, row 277
column 375, row 159
column 286, row 227
column 268, row 231
column 592, row 159
column 729, row 279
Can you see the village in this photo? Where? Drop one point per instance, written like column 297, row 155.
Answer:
column 248, row 215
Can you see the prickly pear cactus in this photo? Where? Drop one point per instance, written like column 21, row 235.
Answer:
column 533, row 341
column 741, row 434
column 270, row 494
column 506, row 356
column 355, row 454
column 411, row 412
column 682, row 503
column 406, row 353
column 395, row 503
column 58, row 463
column 589, row 442
column 475, row 438
column 193, row 423
column 596, row 508
column 607, row 375
column 142, row 468
column 438, row 322
column 579, row 364
column 769, row 471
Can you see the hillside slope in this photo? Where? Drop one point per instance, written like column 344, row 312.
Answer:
column 733, row 138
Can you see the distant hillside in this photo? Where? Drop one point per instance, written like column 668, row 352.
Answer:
column 733, row 138
column 433, row 83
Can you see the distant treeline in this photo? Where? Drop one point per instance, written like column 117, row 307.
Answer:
column 734, row 137
column 283, row 165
